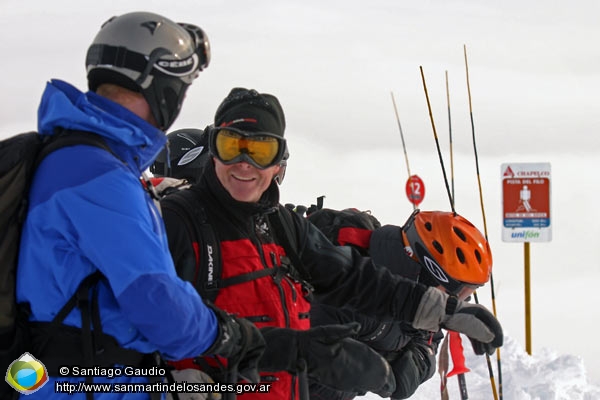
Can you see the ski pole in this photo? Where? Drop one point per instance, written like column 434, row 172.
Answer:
column 486, row 237
column 402, row 137
column 450, row 137
column 437, row 142
column 456, row 350
column 458, row 361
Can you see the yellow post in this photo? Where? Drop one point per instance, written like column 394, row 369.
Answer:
column 527, row 300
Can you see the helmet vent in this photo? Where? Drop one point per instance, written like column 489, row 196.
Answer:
column 428, row 226
column 460, row 255
column 438, row 247
column 460, row 234
column 478, row 256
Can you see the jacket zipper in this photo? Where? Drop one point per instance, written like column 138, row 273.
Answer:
column 276, row 279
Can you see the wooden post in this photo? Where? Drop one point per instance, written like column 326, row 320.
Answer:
column 527, row 299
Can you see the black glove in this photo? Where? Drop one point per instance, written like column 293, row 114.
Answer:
column 331, row 357
column 241, row 342
column 388, row 336
column 412, row 366
column 438, row 310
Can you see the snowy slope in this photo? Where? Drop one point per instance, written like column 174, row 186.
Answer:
column 544, row 376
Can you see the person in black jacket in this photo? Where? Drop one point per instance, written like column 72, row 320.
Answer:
column 464, row 259
column 263, row 262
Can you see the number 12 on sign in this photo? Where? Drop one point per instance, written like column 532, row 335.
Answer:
column 415, row 190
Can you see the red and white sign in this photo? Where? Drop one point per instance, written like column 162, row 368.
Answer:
column 415, row 190
column 526, row 202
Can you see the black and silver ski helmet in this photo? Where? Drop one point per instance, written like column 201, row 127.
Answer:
column 187, row 153
column 150, row 54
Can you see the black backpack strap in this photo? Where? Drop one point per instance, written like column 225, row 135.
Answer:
column 186, row 204
column 247, row 277
column 83, row 303
column 59, row 344
column 66, row 138
column 285, row 230
column 80, row 296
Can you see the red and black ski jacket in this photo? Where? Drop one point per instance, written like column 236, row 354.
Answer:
column 252, row 245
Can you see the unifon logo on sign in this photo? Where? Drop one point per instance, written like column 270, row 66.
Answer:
column 525, row 235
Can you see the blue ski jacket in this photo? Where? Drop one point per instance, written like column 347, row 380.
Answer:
column 88, row 211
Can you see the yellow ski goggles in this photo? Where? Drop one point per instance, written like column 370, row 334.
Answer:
column 260, row 149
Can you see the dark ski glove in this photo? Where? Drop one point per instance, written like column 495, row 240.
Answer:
column 412, row 366
column 241, row 342
column 331, row 357
column 388, row 336
column 438, row 310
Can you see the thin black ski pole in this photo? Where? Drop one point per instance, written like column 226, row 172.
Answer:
column 486, row 237
column 437, row 142
column 450, row 137
column 462, row 381
column 462, row 387
column 402, row 137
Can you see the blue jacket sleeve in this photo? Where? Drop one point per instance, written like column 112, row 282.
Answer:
column 119, row 230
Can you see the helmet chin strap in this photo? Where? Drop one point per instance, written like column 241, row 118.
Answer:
column 165, row 112
column 159, row 111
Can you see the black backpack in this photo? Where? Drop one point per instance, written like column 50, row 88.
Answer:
column 19, row 157
column 346, row 227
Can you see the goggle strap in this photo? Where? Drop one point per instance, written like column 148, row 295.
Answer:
column 119, row 56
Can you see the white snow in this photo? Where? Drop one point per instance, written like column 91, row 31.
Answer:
column 547, row 375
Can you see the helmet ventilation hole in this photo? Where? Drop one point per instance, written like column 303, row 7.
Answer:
column 460, row 255
column 438, row 247
column 478, row 256
column 428, row 226
column 460, row 234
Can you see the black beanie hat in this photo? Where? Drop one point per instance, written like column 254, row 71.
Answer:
column 248, row 110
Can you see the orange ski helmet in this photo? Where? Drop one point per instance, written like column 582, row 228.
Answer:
column 452, row 250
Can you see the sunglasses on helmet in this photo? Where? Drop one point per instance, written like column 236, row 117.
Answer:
column 260, row 149
column 187, row 69
column 201, row 42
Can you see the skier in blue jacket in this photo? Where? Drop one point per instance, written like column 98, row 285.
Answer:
column 88, row 213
